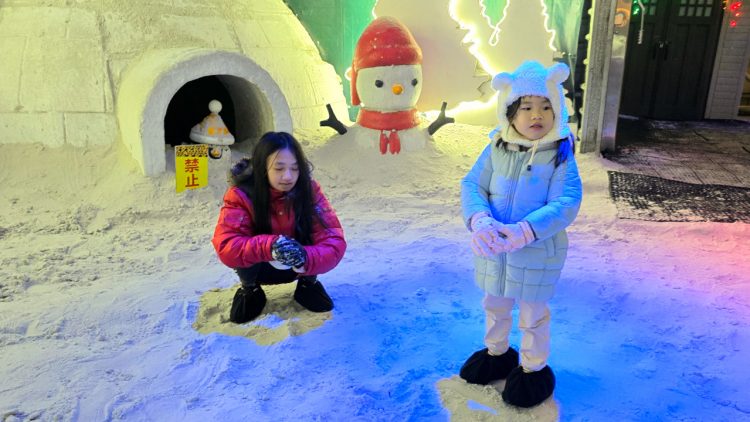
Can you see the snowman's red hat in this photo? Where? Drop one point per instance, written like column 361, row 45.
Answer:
column 385, row 42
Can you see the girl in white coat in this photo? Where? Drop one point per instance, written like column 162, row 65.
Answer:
column 517, row 200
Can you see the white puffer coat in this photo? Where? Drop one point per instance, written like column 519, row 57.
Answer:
column 547, row 197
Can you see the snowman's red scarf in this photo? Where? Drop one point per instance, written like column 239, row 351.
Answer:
column 393, row 122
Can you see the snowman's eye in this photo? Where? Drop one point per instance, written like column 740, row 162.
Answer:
column 378, row 83
column 414, row 82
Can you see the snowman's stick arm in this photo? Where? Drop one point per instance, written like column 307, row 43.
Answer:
column 333, row 121
column 440, row 121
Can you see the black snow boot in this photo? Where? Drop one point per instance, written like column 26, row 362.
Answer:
column 311, row 294
column 528, row 389
column 483, row 368
column 248, row 303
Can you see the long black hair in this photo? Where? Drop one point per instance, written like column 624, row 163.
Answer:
column 564, row 146
column 251, row 176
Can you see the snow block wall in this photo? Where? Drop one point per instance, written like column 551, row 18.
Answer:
column 65, row 70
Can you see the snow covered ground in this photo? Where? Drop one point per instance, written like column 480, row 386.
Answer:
column 113, row 304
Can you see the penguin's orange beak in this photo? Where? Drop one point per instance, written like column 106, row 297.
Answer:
column 397, row 89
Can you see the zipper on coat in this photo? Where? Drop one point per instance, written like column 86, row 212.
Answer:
column 511, row 197
column 509, row 208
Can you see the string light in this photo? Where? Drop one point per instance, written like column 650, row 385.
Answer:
column 552, row 32
column 734, row 12
column 471, row 36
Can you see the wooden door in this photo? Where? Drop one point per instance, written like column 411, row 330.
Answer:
column 667, row 76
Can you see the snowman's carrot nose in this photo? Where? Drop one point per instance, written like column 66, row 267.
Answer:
column 397, row 89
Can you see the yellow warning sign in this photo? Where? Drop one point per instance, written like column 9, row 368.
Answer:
column 191, row 166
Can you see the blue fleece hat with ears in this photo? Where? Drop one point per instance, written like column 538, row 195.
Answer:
column 531, row 78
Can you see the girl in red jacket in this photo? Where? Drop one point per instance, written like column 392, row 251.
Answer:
column 276, row 226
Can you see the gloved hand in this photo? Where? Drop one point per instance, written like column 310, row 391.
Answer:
column 486, row 240
column 517, row 235
column 288, row 252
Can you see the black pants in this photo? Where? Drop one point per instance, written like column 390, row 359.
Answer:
column 265, row 273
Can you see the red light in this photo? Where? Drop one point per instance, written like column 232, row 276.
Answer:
column 735, row 6
column 732, row 24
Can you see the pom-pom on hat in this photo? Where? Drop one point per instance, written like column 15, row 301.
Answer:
column 385, row 42
column 531, row 78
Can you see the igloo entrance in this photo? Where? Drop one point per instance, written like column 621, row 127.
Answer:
column 243, row 106
column 190, row 105
column 167, row 92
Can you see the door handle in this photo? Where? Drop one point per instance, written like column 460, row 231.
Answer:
column 658, row 46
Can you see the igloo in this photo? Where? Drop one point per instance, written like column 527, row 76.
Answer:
column 95, row 72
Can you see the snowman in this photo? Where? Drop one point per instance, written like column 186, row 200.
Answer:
column 386, row 80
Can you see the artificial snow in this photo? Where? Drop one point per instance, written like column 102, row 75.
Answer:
column 114, row 306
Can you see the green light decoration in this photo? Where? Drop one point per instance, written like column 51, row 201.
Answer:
column 335, row 26
column 565, row 19
column 493, row 10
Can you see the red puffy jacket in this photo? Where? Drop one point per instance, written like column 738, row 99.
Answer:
column 239, row 246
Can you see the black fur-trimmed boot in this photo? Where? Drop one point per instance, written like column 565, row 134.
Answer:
column 249, row 299
column 528, row 389
column 483, row 368
column 311, row 294
column 247, row 304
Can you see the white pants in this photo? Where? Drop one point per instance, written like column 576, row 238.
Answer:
column 533, row 321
